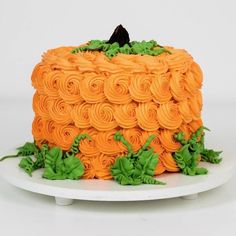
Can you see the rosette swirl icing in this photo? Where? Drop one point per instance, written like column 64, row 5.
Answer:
column 167, row 140
column 116, row 88
column 185, row 111
column 133, row 136
column 40, row 105
column 160, row 88
column 88, row 147
column 48, row 128
column 69, row 87
column 101, row 164
column 169, row 116
column 106, row 143
column 155, row 144
column 97, row 166
column 63, row 135
column 168, row 162
column 140, row 88
column 178, row 60
column 60, row 111
column 147, row 116
column 177, row 86
column 101, row 116
column 125, row 115
column 37, row 128
column 194, row 125
column 191, row 84
column 39, row 73
column 80, row 115
column 89, row 171
column 92, row 88
column 186, row 130
column 51, row 83
column 197, row 74
column 160, row 168
column 196, row 106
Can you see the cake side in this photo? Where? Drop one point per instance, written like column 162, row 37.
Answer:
column 138, row 95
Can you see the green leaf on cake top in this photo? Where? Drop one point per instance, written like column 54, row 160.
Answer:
column 119, row 42
column 188, row 156
column 135, row 168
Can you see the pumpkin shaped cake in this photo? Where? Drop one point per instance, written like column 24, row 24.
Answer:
column 103, row 88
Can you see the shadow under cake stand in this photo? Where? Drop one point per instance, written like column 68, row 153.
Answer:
column 66, row 191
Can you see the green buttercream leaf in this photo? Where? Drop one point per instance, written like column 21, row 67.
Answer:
column 146, row 163
column 27, row 165
column 27, row 149
column 54, row 165
column 211, row 156
column 135, row 168
column 147, row 179
column 111, row 50
column 122, row 171
column 73, row 167
column 187, row 157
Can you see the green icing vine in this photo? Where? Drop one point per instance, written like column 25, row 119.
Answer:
column 56, row 163
column 143, row 48
column 135, row 168
column 188, row 155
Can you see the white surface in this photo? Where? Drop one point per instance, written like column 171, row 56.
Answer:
column 25, row 213
column 177, row 185
column 206, row 28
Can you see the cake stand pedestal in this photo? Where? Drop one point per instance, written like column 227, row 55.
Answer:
column 66, row 191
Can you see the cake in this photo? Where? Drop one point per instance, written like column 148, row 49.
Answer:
column 115, row 108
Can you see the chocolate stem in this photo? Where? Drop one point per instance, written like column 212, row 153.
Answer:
column 120, row 36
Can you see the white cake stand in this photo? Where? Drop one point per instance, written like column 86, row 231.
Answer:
column 65, row 191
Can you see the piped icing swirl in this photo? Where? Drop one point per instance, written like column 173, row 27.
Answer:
column 101, row 116
column 169, row 116
column 116, row 88
column 69, row 87
column 92, row 88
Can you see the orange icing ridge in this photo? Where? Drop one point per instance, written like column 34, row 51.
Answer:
column 117, row 88
column 147, row 116
column 160, row 88
column 125, row 115
column 168, row 162
column 169, row 116
column 69, row 87
column 101, row 116
column 60, row 111
column 80, row 115
column 63, row 135
column 92, row 88
column 140, row 88
column 139, row 95
column 167, row 140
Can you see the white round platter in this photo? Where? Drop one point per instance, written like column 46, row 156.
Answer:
column 65, row 191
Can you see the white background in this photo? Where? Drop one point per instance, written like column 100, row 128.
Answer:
column 205, row 28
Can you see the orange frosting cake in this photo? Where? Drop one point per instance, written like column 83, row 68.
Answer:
column 138, row 105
